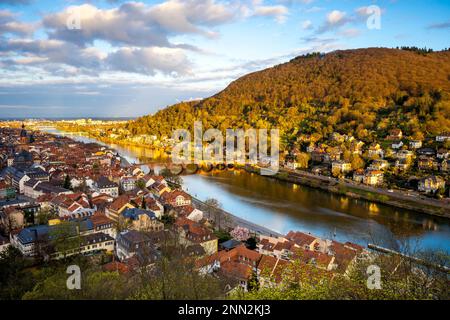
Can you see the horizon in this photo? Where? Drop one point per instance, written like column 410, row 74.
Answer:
column 101, row 67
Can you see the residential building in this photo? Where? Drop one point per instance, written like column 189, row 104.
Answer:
column 373, row 177
column 443, row 137
column 121, row 203
column 176, row 198
column 427, row 163
column 375, row 151
column 137, row 244
column 303, row 240
column 142, row 220
column 128, row 183
column 192, row 233
column 379, row 164
column 239, row 264
column 341, row 166
column 106, row 186
column 397, row 144
column 395, row 134
column 415, row 144
column 431, row 184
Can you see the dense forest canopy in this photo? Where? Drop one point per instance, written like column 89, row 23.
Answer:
column 364, row 92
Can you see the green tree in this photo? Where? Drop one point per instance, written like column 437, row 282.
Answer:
column 67, row 184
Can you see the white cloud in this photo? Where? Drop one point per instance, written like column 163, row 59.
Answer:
column 307, row 25
column 335, row 17
column 150, row 60
column 279, row 12
column 138, row 24
column 9, row 24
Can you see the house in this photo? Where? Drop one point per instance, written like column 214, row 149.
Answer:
column 34, row 189
column 341, row 166
column 395, row 134
column 88, row 244
column 303, row 240
column 316, row 258
column 292, row 165
column 128, row 183
column 152, row 179
column 239, row 264
column 28, row 240
column 159, row 188
column 271, row 271
column 375, row 151
column 176, row 198
column 76, row 204
column 154, row 205
column 106, row 186
column 101, row 201
column 192, row 233
column 190, row 212
column 356, row 147
column 431, row 184
column 36, row 240
column 277, row 247
column 427, row 163
column 415, row 144
column 318, row 156
column 132, row 243
column 345, row 254
column 443, row 137
column 121, row 203
column 101, row 223
column 397, row 144
column 142, row 220
column 405, row 154
column 19, row 176
column 379, row 164
column 373, row 177
column 358, row 175
column 402, row 164
column 442, row 154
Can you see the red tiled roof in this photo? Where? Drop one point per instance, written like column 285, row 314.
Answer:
column 300, row 238
column 119, row 202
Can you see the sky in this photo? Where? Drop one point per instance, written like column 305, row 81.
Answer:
column 112, row 58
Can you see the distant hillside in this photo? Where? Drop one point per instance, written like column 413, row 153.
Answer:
column 365, row 92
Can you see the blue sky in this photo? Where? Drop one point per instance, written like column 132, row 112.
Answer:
column 119, row 58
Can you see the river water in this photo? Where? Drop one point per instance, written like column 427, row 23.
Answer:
column 283, row 206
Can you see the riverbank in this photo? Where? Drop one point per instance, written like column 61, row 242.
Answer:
column 357, row 191
column 352, row 190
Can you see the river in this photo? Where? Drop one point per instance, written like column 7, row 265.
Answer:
column 283, row 206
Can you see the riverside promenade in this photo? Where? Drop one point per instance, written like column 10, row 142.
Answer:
column 226, row 220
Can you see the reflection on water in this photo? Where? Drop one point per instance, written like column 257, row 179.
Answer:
column 284, row 206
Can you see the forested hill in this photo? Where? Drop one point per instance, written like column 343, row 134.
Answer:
column 365, row 92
